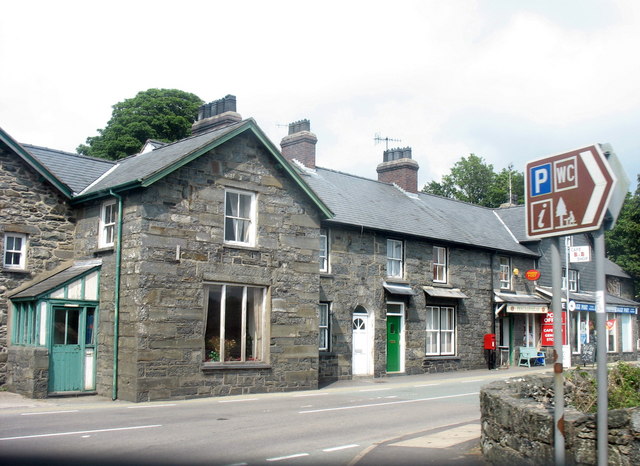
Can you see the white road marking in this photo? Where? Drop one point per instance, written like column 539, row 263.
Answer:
column 49, row 412
column 152, row 406
column 342, row 447
column 427, row 385
column 374, row 405
column 310, row 394
column 288, row 457
column 59, row 434
column 471, row 381
column 375, row 389
column 237, row 401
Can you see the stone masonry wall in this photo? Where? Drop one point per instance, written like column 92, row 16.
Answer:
column 162, row 301
column 519, row 430
column 29, row 205
column 357, row 272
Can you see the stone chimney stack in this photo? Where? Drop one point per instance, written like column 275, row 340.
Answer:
column 300, row 144
column 398, row 167
column 215, row 115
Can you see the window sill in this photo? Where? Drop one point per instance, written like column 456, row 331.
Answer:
column 243, row 247
column 218, row 366
column 103, row 250
column 12, row 270
column 327, row 275
column 441, row 358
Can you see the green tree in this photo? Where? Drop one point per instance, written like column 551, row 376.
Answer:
column 473, row 180
column 623, row 242
column 162, row 114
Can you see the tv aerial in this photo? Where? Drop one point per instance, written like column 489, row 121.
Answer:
column 378, row 139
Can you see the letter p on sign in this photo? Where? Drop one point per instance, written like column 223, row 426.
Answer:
column 540, row 179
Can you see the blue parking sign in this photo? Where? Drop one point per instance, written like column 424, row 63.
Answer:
column 540, row 177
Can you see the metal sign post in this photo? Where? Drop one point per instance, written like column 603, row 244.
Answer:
column 558, row 378
column 601, row 350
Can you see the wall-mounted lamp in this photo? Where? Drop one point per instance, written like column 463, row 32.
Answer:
column 516, row 272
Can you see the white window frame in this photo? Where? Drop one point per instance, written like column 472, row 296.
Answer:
column 626, row 327
column 10, row 250
column 574, row 279
column 435, row 344
column 107, row 226
column 260, row 339
column 505, row 273
column 324, row 250
column 395, row 255
column 324, row 326
column 237, row 219
column 612, row 335
column 440, row 259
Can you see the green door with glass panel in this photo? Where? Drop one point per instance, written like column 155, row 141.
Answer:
column 72, row 349
column 393, row 343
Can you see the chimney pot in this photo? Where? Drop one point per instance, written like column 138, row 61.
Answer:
column 398, row 167
column 216, row 114
column 300, row 144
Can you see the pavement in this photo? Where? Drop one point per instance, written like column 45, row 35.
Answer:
column 453, row 444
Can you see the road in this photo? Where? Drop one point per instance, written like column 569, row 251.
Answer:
column 340, row 424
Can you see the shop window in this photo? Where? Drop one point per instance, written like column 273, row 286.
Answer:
column 626, row 325
column 612, row 334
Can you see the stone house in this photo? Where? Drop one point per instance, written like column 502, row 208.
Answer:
column 190, row 270
column 622, row 310
column 408, row 280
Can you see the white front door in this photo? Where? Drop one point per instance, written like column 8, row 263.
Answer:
column 361, row 359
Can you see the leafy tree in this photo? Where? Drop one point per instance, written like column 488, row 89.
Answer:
column 623, row 242
column 161, row 114
column 473, row 180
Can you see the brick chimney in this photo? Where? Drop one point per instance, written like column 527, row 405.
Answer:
column 300, row 144
column 215, row 115
column 398, row 167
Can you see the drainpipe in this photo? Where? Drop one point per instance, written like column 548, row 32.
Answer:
column 116, row 302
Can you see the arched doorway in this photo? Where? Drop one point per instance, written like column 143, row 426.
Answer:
column 362, row 357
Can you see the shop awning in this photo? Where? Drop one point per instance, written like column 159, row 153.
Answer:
column 398, row 288
column 452, row 293
column 520, row 303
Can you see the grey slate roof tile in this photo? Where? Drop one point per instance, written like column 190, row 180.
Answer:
column 372, row 204
column 74, row 170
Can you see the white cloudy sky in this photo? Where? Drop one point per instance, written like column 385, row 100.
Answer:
column 508, row 80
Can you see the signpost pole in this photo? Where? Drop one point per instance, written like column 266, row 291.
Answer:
column 558, row 378
column 601, row 351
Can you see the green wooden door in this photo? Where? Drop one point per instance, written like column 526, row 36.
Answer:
column 393, row 343
column 66, row 357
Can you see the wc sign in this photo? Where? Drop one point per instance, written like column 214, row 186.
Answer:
column 567, row 193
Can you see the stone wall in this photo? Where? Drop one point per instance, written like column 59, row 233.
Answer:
column 31, row 206
column 517, row 429
column 29, row 371
column 173, row 247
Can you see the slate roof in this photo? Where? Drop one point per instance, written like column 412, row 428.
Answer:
column 140, row 167
column 48, row 282
column 514, row 218
column 74, row 170
column 366, row 203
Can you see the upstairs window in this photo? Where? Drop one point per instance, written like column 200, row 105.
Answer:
column 107, row 224
column 439, row 264
column 394, row 258
column 14, row 251
column 239, row 218
column 505, row 273
column 324, row 251
column 573, row 279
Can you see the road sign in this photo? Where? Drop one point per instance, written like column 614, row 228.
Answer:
column 568, row 193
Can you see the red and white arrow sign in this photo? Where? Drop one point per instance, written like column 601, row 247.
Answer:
column 568, row 193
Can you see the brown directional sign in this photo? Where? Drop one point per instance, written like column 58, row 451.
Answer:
column 567, row 193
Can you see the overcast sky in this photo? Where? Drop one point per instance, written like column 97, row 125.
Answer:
column 510, row 81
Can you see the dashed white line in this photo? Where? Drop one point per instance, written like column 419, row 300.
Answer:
column 470, row 381
column 374, row 389
column 49, row 412
column 237, row 401
column 310, row 394
column 426, row 385
column 374, row 405
column 288, row 457
column 341, row 447
column 59, row 434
